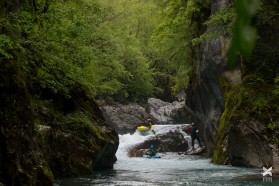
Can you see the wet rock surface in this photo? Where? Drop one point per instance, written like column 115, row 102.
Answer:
column 78, row 142
column 164, row 112
column 247, row 147
column 124, row 118
column 172, row 141
column 69, row 154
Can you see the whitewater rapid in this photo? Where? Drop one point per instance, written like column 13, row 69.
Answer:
column 171, row 170
column 127, row 141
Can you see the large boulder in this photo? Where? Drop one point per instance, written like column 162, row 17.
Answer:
column 172, row 141
column 21, row 160
column 124, row 118
column 164, row 112
column 109, row 144
column 84, row 150
column 248, row 147
column 78, row 141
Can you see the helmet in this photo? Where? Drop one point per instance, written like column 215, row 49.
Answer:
column 151, row 146
column 193, row 124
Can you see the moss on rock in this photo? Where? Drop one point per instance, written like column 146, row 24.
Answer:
column 251, row 100
column 233, row 100
column 79, row 130
column 22, row 162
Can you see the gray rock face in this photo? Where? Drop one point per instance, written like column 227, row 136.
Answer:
column 204, row 101
column 124, row 118
column 204, row 97
column 106, row 157
column 172, row 141
column 247, row 147
column 165, row 112
column 69, row 154
column 21, row 160
column 245, row 143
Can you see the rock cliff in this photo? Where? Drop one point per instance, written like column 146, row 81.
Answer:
column 124, row 118
column 204, row 100
column 42, row 139
column 164, row 112
column 88, row 143
column 21, row 160
column 228, row 107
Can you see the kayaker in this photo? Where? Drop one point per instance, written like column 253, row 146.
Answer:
column 149, row 122
column 194, row 136
column 152, row 151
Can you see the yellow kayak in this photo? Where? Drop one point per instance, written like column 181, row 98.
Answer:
column 145, row 128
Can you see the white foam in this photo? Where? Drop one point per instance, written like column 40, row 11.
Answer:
column 127, row 141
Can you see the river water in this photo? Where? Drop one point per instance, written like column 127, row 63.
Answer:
column 171, row 169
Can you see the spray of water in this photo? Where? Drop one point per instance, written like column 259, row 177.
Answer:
column 127, row 141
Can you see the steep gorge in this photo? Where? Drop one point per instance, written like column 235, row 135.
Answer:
column 45, row 134
column 42, row 139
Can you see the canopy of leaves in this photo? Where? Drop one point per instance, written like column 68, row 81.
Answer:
column 131, row 48
column 100, row 44
column 181, row 23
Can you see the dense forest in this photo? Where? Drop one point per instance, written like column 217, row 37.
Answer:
column 133, row 49
column 58, row 57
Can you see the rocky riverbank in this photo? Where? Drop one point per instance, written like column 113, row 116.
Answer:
column 51, row 136
column 125, row 117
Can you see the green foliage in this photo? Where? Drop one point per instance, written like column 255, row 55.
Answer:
column 264, row 61
column 223, row 18
column 251, row 100
column 77, row 122
column 71, row 47
column 233, row 100
column 271, row 126
column 181, row 23
column 244, row 34
column 131, row 24
column 220, row 23
column 276, row 90
column 259, row 99
column 5, row 45
column 182, row 77
column 90, row 42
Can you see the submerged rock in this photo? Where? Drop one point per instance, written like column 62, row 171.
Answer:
column 247, row 147
column 197, row 151
column 172, row 141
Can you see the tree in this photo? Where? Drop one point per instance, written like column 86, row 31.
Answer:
column 131, row 26
column 181, row 23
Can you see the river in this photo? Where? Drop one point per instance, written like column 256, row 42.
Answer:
column 171, row 169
